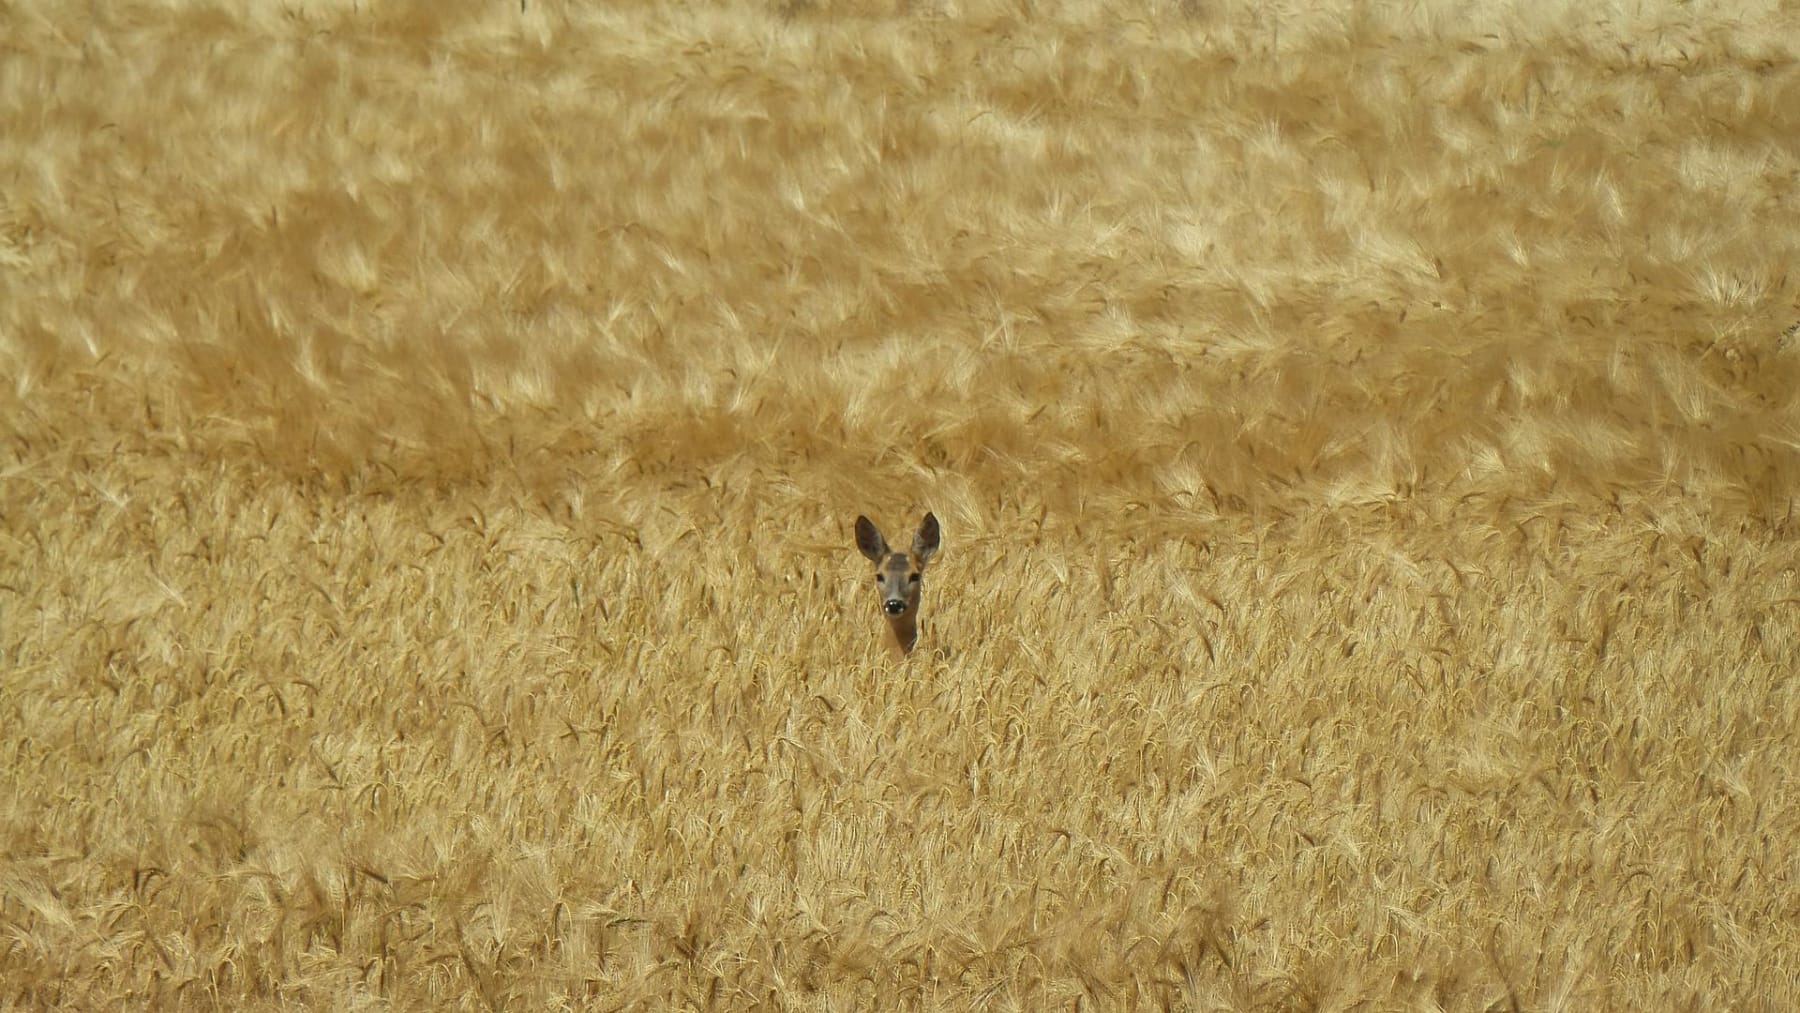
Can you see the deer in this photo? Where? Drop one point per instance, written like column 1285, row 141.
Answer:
column 897, row 575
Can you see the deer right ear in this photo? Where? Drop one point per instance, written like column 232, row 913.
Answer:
column 870, row 542
column 925, row 543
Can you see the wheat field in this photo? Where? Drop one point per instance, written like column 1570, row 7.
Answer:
column 1366, row 440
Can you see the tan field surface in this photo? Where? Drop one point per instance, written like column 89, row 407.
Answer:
column 1366, row 441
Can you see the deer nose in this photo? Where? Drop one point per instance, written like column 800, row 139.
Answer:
column 894, row 606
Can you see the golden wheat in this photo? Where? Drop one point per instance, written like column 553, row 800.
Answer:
column 1366, row 443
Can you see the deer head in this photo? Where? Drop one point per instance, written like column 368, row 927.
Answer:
column 897, row 575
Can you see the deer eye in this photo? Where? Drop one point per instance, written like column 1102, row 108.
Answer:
column 878, row 578
column 914, row 579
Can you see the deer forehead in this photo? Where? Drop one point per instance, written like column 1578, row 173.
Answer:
column 898, row 564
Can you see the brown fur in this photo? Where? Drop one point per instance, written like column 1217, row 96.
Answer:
column 899, row 576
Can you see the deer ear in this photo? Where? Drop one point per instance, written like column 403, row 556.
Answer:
column 925, row 543
column 869, row 541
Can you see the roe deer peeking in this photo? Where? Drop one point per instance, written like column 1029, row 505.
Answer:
column 897, row 575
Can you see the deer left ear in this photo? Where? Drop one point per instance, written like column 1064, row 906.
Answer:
column 869, row 541
column 925, row 543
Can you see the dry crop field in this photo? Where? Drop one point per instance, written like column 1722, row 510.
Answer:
column 1366, row 440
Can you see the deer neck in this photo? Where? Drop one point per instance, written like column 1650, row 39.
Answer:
column 906, row 630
